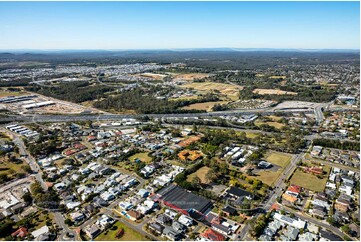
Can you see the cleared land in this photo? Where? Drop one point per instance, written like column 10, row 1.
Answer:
column 268, row 176
column 141, row 156
column 280, row 159
column 277, row 77
column 272, row 92
column 273, row 124
column 309, row 181
column 207, row 106
column 191, row 76
column 201, row 173
column 129, row 234
column 204, row 87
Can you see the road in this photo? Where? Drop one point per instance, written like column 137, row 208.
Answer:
column 102, row 117
column 333, row 229
column 275, row 193
column 59, row 219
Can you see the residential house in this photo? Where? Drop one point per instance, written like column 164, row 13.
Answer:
column 212, row 235
column 92, row 231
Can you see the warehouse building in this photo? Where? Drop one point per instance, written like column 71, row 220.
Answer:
column 183, row 201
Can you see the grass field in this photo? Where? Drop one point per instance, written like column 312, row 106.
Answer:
column 141, row 156
column 272, row 92
column 273, row 124
column 250, row 135
column 129, row 234
column 10, row 168
column 203, row 87
column 280, row 159
column 5, row 93
column 201, row 173
column 308, row 181
column 207, row 106
column 274, row 118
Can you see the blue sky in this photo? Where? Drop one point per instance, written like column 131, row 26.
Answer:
column 158, row 25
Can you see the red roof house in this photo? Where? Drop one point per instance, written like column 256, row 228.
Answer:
column 212, row 235
column 21, row 232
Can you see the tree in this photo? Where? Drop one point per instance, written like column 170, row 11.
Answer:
column 210, row 175
column 196, row 181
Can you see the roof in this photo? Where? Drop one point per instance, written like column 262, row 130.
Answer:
column 40, row 231
column 21, row 232
column 212, row 235
column 294, row 188
column 238, row 192
column 289, row 198
column 183, row 199
column 229, row 210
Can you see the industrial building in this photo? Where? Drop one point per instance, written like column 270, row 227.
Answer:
column 183, row 201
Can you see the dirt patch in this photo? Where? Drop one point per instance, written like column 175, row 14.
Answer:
column 272, row 92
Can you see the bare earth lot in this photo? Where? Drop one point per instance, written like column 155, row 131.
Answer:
column 272, row 92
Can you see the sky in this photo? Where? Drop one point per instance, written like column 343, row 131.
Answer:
column 174, row 25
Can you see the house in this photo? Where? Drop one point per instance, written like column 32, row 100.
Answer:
column 318, row 212
column 77, row 217
column 164, row 219
column 264, row 165
column 291, row 233
column 92, row 231
column 308, row 237
column 104, row 221
column 314, row 170
column 316, row 150
column 321, row 201
column 288, row 199
column 156, row 228
column 293, row 190
column 212, row 235
column 134, row 215
column 229, row 211
column 20, row 232
column 342, row 204
column 299, row 224
column 125, row 205
column 238, row 193
column 185, row 220
column 178, row 227
column 171, row 234
column 143, row 193
column 38, row 232
column 17, row 208
column 265, row 237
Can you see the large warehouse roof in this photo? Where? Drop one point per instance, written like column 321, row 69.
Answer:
column 184, row 199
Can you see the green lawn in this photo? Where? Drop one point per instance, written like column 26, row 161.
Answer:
column 141, row 156
column 279, row 159
column 129, row 234
column 308, row 181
